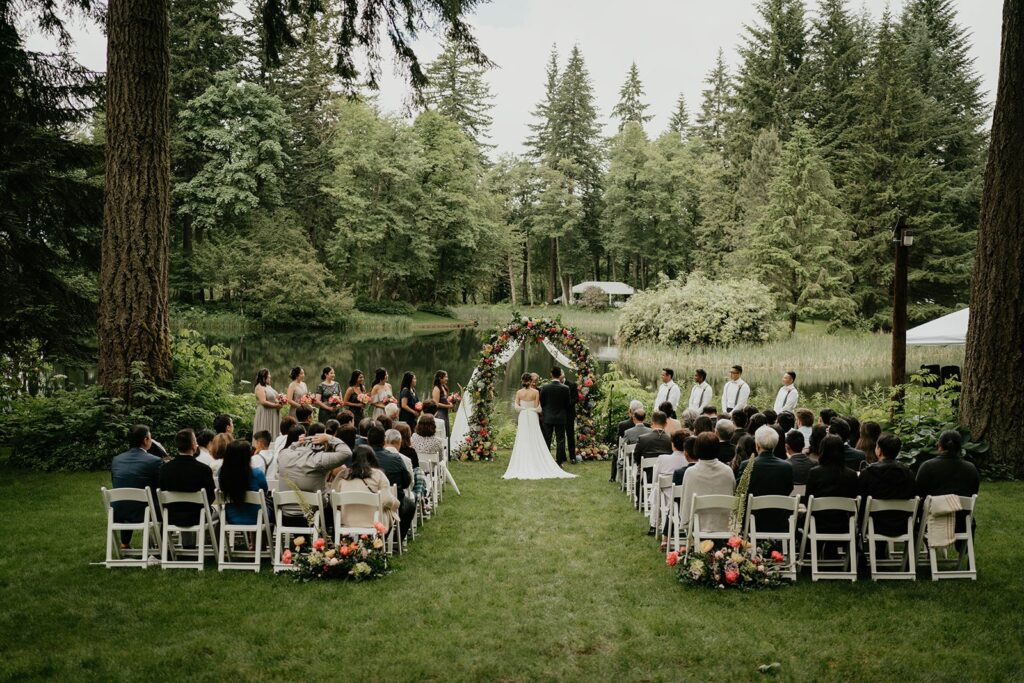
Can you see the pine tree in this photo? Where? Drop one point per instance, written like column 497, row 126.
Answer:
column 770, row 88
column 801, row 249
column 716, row 106
column 756, row 177
column 679, row 123
column 836, row 56
column 458, row 89
column 539, row 142
column 630, row 106
column 627, row 214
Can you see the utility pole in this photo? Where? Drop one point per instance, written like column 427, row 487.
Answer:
column 902, row 238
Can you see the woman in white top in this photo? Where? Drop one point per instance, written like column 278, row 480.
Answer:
column 380, row 392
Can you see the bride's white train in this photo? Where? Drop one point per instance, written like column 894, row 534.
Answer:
column 531, row 457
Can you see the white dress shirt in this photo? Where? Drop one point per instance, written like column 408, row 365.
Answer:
column 266, row 461
column 785, row 400
column 204, row 457
column 735, row 394
column 701, row 395
column 668, row 391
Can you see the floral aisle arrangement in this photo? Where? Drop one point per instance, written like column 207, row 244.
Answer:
column 357, row 559
column 480, row 443
column 732, row 566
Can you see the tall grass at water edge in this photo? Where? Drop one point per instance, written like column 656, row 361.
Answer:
column 491, row 316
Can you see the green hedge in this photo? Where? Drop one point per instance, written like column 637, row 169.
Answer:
column 385, row 307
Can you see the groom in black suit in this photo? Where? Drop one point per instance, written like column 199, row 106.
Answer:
column 555, row 404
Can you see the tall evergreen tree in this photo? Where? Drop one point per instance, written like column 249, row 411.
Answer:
column 631, row 106
column 458, row 89
column 801, row 250
column 679, row 122
column 772, row 82
column 716, row 106
column 539, row 141
column 757, row 175
column 627, row 214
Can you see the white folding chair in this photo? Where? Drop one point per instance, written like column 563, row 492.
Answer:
column 395, row 537
column 947, row 567
column 848, row 563
column 172, row 543
column 283, row 534
column 659, row 508
column 787, row 538
column 675, row 511
column 647, row 484
column 226, row 550
column 626, row 468
column 905, row 560
column 700, row 506
column 618, row 459
column 431, row 464
column 355, row 498
column 149, row 527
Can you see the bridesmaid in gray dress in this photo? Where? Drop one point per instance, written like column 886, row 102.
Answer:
column 268, row 411
column 296, row 390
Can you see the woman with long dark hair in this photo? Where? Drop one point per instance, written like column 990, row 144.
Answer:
column 327, row 388
column 296, row 390
column 868, row 439
column 380, row 392
column 351, row 397
column 832, row 478
column 237, row 476
column 363, row 474
column 268, row 415
column 439, row 393
column 672, row 425
column 407, row 400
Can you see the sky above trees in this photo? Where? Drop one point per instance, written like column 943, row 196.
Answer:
column 673, row 42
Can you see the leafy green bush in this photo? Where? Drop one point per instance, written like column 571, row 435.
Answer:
column 699, row 312
column 593, row 299
column 385, row 307
column 617, row 390
column 82, row 429
column 437, row 309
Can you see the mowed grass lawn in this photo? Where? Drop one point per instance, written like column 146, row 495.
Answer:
column 513, row 581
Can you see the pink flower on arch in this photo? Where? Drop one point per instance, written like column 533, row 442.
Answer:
column 731, row 575
column 777, row 556
column 319, row 544
column 672, row 559
column 286, row 557
column 734, row 542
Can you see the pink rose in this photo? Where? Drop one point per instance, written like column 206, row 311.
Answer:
column 287, row 557
column 672, row 559
column 734, row 542
column 529, row 324
column 344, row 551
column 777, row 556
column 731, row 575
column 418, row 406
column 588, row 382
column 319, row 544
column 379, row 527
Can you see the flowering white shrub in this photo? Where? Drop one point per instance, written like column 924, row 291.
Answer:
column 699, row 311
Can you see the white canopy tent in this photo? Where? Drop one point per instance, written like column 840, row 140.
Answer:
column 945, row 331
column 610, row 289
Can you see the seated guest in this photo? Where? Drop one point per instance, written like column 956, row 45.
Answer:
column 738, row 418
column 801, row 462
column 304, row 415
column 703, row 424
column 136, row 468
column 364, row 427
column 425, row 439
column 391, row 412
column 347, row 433
column 362, row 474
column 214, row 457
column 745, row 449
column 689, row 419
column 771, row 476
column 331, row 427
column 263, row 456
column 948, row 473
column 430, row 408
column 780, row 446
column 787, row 421
column 707, row 477
column 620, row 431
column 385, row 422
column 419, row 485
column 818, row 434
column 319, row 439
column 650, row 445
column 638, row 429
column 832, row 478
column 841, row 428
column 223, row 424
column 672, row 425
column 770, row 417
column 854, row 436
column 300, row 465
column 185, row 474
column 237, row 476
column 825, row 416
column 726, row 450
column 667, row 464
column 804, row 421
column 868, row 439
column 755, row 422
column 346, row 417
column 393, row 465
column 711, row 412
column 204, row 437
column 689, row 455
column 287, row 422
column 887, row 479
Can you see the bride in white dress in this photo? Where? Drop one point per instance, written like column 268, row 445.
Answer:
column 531, row 457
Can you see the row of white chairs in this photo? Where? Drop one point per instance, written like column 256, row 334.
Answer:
column 171, row 546
column 904, row 551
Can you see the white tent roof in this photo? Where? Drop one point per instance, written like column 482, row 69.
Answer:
column 606, row 287
column 949, row 329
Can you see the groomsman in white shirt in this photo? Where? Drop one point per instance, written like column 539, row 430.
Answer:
column 785, row 400
column 736, row 392
column 701, row 394
column 668, row 391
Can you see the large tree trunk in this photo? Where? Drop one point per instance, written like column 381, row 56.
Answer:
column 133, row 323
column 995, row 335
column 527, row 275
column 552, row 270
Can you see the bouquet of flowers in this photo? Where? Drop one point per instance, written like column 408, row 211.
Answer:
column 335, row 401
column 364, row 399
column 357, row 559
column 392, row 399
column 454, row 398
column 419, row 406
column 731, row 566
column 282, row 400
column 306, row 400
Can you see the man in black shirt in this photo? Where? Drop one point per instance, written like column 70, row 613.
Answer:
column 185, row 474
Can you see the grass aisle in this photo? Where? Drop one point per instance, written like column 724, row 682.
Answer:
column 512, row 581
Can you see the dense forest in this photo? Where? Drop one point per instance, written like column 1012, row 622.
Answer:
column 295, row 199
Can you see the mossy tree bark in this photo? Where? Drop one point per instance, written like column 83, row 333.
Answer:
column 133, row 322
column 994, row 364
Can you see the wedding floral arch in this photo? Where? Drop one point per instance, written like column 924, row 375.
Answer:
column 472, row 435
